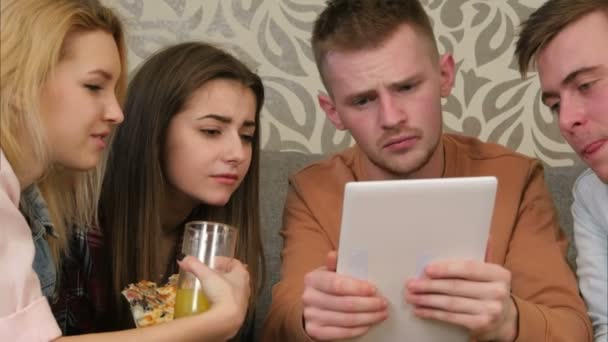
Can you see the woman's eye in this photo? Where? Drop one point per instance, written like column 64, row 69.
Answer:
column 247, row 138
column 211, row 132
column 93, row 87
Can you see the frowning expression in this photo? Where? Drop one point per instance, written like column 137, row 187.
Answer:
column 210, row 142
column 389, row 99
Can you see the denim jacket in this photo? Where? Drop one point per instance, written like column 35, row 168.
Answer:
column 35, row 211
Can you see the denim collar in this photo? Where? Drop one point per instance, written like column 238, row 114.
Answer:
column 36, row 211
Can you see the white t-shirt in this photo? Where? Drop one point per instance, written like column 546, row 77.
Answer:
column 590, row 214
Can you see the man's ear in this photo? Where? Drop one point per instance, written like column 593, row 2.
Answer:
column 447, row 71
column 328, row 106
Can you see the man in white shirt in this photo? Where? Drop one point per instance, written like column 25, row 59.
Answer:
column 567, row 41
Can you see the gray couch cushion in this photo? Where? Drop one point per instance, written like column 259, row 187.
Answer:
column 560, row 181
column 275, row 168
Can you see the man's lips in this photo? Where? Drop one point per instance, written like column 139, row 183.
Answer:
column 593, row 147
column 400, row 142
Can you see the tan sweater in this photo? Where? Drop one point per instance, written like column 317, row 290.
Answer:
column 525, row 238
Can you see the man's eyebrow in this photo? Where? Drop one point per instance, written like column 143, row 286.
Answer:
column 573, row 75
column 360, row 94
column 407, row 80
column 372, row 92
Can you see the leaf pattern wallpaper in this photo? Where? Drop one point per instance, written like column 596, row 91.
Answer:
column 489, row 100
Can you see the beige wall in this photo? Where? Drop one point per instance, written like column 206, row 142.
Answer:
column 489, row 99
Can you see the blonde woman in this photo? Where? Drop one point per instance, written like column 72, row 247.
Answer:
column 62, row 76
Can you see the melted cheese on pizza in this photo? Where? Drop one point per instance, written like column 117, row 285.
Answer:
column 151, row 304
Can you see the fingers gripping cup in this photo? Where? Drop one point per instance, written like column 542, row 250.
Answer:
column 212, row 243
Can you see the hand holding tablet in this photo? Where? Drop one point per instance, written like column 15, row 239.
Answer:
column 392, row 230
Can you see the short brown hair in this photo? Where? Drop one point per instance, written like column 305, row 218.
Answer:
column 360, row 24
column 546, row 22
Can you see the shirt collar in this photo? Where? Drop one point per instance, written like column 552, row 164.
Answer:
column 36, row 211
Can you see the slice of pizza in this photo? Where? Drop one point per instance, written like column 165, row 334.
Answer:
column 149, row 303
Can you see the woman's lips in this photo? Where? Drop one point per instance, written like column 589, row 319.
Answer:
column 227, row 179
column 99, row 140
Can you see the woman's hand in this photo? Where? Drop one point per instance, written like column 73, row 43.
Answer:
column 227, row 287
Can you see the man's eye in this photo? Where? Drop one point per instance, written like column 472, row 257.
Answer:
column 554, row 108
column 362, row 101
column 585, row 86
column 406, row 87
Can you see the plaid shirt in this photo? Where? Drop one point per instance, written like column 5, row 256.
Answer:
column 80, row 306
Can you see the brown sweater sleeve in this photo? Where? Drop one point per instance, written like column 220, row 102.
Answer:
column 306, row 246
column 550, row 307
column 543, row 286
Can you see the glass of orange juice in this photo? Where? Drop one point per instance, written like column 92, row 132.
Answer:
column 212, row 243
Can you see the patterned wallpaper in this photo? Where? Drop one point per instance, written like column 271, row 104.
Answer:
column 489, row 100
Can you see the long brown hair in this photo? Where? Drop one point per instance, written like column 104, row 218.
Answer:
column 32, row 36
column 546, row 22
column 132, row 195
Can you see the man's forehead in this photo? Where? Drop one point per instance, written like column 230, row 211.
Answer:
column 358, row 79
column 579, row 45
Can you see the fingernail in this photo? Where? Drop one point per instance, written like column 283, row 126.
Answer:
column 374, row 290
column 431, row 269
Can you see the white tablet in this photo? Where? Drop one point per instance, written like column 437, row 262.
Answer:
column 391, row 229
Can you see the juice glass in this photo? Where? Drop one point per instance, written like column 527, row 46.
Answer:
column 212, row 243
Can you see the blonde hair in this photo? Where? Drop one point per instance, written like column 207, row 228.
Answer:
column 32, row 36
